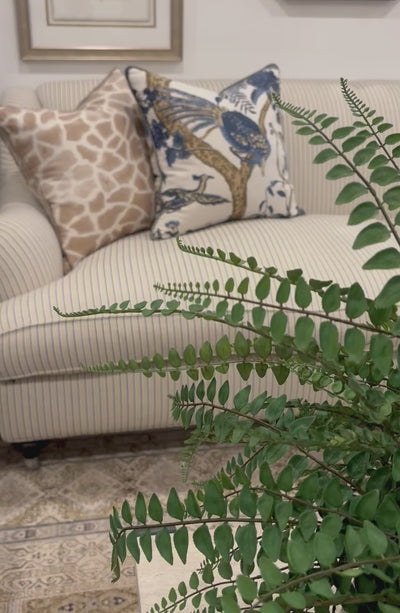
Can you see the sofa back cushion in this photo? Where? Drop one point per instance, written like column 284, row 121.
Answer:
column 88, row 167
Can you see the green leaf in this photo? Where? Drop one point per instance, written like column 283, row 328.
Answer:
column 271, row 541
column 211, row 390
column 356, row 303
column 362, row 212
column 275, row 408
column 317, row 140
column 272, row 576
column 321, row 587
column 331, row 298
column 388, row 608
column 283, row 292
column 243, row 286
column 126, row 512
column 357, row 466
column 381, row 352
column 325, row 123
column 354, row 542
column 229, row 285
column 163, row 544
column 305, row 131
column 223, row 540
column 192, row 505
column 377, row 161
column 189, row 355
column 121, row 547
column 181, row 542
column 223, row 348
column 262, row 347
column 374, row 233
column 333, row 495
column 132, row 546
column 271, row 607
column 241, row 399
column 307, row 524
column 263, row 287
column 174, row 506
column 353, row 142
column 248, row 502
column 205, row 352
column 392, row 197
column 283, row 511
column 140, row 509
column 383, row 260
column 390, row 294
column 329, row 340
column 376, row 539
column 246, row 539
column 325, row 549
column 241, row 345
column 155, row 509
column 302, row 294
column 384, row 175
column 300, row 555
column 258, row 315
column 285, row 479
column 396, row 466
column 174, row 358
column 223, row 393
column 388, row 513
column 363, row 156
column 281, row 373
column 214, row 501
column 325, row 155
column 304, row 330
column 294, row 274
column 392, row 139
column 350, row 192
column 295, row 600
column 278, row 326
column 145, row 543
column 264, row 505
column 229, row 604
column 237, row 313
column 338, row 172
column 247, row 588
column 202, row 541
column 342, row 132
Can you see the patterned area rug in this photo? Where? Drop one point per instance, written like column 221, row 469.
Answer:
column 54, row 546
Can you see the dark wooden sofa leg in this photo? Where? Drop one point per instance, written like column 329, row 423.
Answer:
column 30, row 452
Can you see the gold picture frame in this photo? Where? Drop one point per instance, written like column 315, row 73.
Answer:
column 44, row 37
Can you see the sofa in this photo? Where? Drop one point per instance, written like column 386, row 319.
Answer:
column 44, row 393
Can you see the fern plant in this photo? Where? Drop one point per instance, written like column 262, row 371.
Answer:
column 322, row 534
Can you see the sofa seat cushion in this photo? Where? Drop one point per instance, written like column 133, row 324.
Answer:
column 88, row 167
column 35, row 341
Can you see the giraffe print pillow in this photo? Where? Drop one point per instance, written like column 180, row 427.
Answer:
column 217, row 156
column 89, row 167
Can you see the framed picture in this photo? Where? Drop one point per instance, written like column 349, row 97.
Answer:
column 100, row 29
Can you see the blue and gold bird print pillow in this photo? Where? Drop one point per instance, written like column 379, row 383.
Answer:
column 217, row 156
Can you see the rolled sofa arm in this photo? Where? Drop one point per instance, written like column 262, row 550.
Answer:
column 30, row 254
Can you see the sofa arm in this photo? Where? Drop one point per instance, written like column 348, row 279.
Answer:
column 30, row 254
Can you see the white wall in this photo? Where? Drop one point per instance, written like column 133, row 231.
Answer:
column 307, row 38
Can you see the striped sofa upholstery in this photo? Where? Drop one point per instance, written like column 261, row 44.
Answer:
column 43, row 392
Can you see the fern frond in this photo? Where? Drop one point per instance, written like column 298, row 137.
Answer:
column 357, row 107
column 298, row 112
column 190, row 449
column 114, row 309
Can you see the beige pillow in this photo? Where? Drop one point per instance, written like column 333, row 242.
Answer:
column 89, row 167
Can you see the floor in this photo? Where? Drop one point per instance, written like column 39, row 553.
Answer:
column 54, row 546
